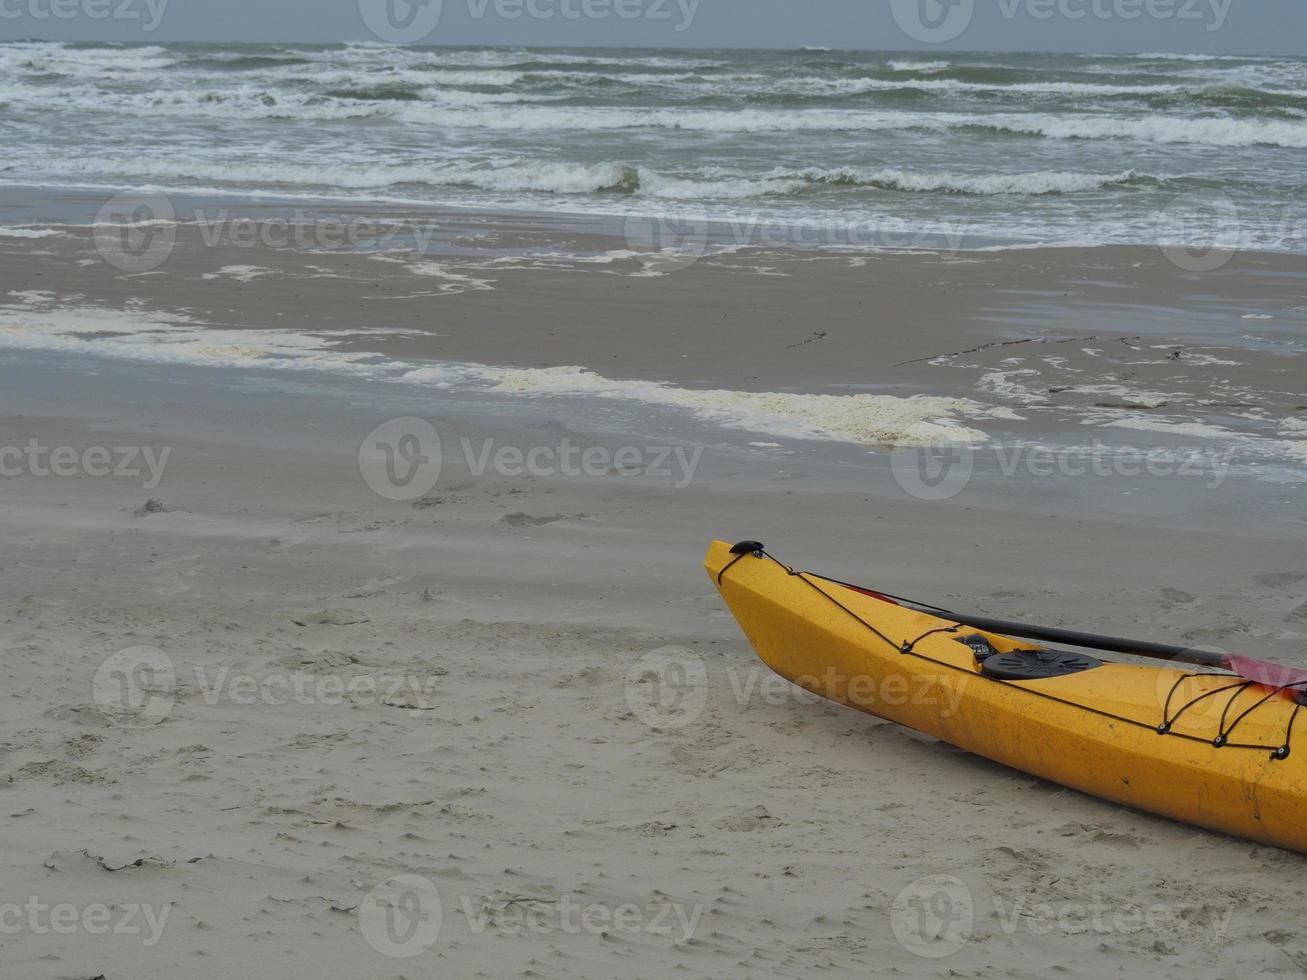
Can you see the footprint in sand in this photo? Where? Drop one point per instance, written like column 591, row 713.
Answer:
column 1279, row 580
column 332, row 617
column 526, row 520
column 1214, row 635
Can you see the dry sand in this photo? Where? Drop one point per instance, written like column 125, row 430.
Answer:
column 501, row 749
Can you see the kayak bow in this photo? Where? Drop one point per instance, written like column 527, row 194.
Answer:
column 1210, row 749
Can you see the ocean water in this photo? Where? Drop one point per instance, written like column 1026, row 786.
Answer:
column 830, row 148
column 904, row 148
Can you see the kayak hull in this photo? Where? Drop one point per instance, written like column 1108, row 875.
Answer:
column 1096, row 731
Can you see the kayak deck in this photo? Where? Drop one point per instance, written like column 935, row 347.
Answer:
column 1209, row 749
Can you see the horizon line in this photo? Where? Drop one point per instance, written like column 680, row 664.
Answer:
column 802, row 48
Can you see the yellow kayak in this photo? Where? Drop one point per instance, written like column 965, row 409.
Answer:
column 1208, row 749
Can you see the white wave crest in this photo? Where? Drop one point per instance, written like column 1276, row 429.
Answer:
column 722, row 184
column 566, row 177
column 856, row 86
column 558, row 177
column 1032, row 184
column 1215, row 131
column 550, row 177
column 9, row 232
column 925, row 67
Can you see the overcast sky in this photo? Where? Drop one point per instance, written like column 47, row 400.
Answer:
column 1214, row 26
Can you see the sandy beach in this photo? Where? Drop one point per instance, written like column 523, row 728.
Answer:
column 253, row 706
column 470, row 710
column 376, row 374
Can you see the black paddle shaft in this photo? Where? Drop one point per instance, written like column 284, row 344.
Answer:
column 1048, row 634
column 1092, row 641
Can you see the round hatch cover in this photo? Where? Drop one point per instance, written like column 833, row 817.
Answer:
column 1034, row 665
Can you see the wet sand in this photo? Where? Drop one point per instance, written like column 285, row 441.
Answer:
column 750, row 320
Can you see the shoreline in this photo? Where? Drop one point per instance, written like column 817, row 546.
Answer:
column 703, row 226
column 1183, row 488
column 796, row 360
